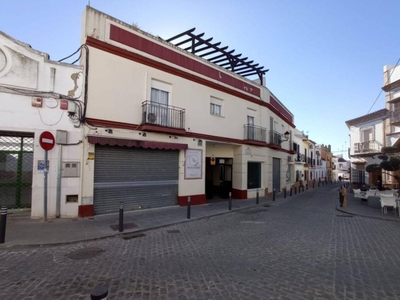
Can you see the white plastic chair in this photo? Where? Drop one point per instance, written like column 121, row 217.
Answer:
column 388, row 200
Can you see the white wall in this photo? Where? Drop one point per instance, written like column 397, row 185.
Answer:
column 33, row 74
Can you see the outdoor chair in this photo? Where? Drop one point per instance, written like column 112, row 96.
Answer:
column 388, row 200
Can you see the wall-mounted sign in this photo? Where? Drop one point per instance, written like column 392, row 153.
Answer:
column 212, row 161
column 193, row 164
column 91, row 155
column 41, row 166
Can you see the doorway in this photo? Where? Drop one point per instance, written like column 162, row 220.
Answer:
column 218, row 178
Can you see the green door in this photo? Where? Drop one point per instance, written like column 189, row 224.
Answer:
column 16, row 164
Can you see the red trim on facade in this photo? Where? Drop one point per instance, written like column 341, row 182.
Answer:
column 132, row 40
column 112, row 124
column 85, row 211
column 239, row 194
column 194, row 200
column 135, row 143
column 281, row 109
column 161, row 129
column 160, row 66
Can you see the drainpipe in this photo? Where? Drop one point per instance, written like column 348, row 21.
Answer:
column 59, row 170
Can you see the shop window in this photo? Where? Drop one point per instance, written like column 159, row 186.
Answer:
column 253, row 175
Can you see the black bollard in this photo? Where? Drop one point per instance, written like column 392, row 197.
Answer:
column 257, row 198
column 290, row 192
column 295, row 190
column 188, row 207
column 121, row 217
column 99, row 293
column 299, row 189
column 284, row 193
column 230, row 202
column 313, row 185
column 273, row 195
column 3, row 221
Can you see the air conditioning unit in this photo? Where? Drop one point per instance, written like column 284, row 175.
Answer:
column 150, row 117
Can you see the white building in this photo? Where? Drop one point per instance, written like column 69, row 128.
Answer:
column 38, row 95
column 167, row 124
column 366, row 141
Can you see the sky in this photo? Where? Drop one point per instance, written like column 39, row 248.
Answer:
column 325, row 57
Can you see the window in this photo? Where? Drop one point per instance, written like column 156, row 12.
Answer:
column 216, row 107
column 160, row 98
column 253, row 175
column 250, row 124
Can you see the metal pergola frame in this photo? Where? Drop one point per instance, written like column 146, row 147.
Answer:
column 221, row 56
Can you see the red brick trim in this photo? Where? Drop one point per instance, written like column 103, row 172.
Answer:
column 86, row 210
column 239, row 194
column 194, row 199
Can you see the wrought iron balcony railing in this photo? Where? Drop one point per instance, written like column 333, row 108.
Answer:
column 163, row 115
column 255, row 133
column 367, row 147
column 275, row 138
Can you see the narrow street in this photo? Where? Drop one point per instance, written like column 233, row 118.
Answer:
column 300, row 248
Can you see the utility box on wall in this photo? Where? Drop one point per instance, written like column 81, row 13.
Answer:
column 61, row 137
column 70, row 169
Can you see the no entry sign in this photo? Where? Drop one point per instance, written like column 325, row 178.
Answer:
column 47, row 140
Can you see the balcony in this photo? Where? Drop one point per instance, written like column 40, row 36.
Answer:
column 367, row 147
column 156, row 114
column 275, row 138
column 255, row 133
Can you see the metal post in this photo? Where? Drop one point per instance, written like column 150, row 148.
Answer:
column 59, row 170
column 188, row 206
column 3, row 221
column 295, row 190
column 273, row 195
column 257, row 198
column 45, row 171
column 284, row 193
column 291, row 189
column 99, row 293
column 121, row 217
column 299, row 189
column 307, row 186
column 230, row 201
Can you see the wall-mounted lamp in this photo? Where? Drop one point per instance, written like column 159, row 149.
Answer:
column 144, row 134
column 200, row 143
column 286, row 136
column 109, row 131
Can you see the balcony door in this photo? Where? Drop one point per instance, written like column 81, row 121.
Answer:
column 250, row 124
column 159, row 106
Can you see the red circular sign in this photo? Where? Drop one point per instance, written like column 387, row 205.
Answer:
column 47, row 140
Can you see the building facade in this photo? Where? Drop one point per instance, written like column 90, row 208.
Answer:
column 39, row 95
column 166, row 124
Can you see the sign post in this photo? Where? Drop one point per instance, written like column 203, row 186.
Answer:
column 46, row 141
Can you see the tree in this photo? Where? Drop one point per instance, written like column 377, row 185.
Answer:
column 390, row 162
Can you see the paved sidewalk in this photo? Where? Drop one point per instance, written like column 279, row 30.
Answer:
column 24, row 232
column 370, row 208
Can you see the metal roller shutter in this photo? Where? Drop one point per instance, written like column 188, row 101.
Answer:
column 141, row 178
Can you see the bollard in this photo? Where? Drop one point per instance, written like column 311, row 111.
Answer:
column 99, row 293
column 303, row 188
column 299, row 189
column 230, row 201
column 188, row 206
column 257, row 198
column 121, row 217
column 273, row 195
column 290, row 192
column 313, row 185
column 284, row 193
column 295, row 190
column 3, row 221
column 318, row 183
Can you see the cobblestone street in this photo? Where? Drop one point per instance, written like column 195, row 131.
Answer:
column 298, row 248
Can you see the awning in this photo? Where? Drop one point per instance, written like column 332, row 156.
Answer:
column 135, row 143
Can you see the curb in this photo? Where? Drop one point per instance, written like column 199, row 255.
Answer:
column 365, row 216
